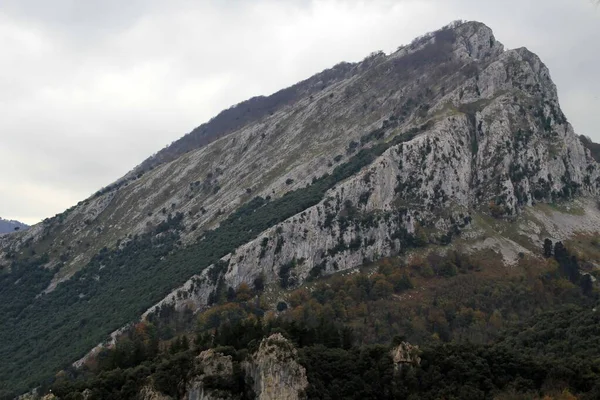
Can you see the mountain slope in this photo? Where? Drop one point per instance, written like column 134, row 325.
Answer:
column 439, row 141
column 270, row 157
column 245, row 113
column 8, row 226
column 485, row 156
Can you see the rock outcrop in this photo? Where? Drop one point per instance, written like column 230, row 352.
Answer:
column 149, row 393
column 212, row 370
column 405, row 354
column 271, row 373
column 275, row 372
column 33, row 395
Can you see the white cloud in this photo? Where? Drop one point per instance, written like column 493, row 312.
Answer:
column 90, row 89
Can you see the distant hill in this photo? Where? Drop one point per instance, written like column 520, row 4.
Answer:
column 7, row 226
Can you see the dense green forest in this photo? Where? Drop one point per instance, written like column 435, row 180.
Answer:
column 532, row 333
column 339, row 369
column 42, row 334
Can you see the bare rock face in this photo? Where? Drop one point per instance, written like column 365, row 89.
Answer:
column 212, row 369
column 493, row 141
column 149, row 393
column 34, row 395
column 275, row 371
column 272, row 373
column 405, row 354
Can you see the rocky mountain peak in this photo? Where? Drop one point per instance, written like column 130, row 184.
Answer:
column 362, row 161
column 488, row 136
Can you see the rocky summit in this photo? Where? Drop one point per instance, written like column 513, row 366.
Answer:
column 450, row 142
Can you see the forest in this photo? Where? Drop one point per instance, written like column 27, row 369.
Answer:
column 532, row 334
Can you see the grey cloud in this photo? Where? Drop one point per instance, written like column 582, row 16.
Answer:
column 89, row 89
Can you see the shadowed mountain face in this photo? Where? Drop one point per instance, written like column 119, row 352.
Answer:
column 8, row 226
column 451, row 139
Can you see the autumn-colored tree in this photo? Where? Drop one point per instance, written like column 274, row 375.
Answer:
column 243, row 292
column 298, row 297
column 496, row 320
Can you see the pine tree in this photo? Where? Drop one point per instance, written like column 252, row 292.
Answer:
column 184, row 344
column 547, row 248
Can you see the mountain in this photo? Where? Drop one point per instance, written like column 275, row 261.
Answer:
column 8, row 226
column 451, row 143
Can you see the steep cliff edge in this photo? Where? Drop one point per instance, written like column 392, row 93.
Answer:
column 497, row 145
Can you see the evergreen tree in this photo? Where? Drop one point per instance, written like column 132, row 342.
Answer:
column 547, row 248
column 184, row 344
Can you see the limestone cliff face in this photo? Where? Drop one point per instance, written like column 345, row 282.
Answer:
column 210, row 366
column 405, row 354
column 492, row 140
column 495, row 137
column 149, row 393
column 271, row 373
column 275, row 372
column 298, row 140
column 33, row 395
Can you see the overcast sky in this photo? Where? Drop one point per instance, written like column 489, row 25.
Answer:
column 89, row 89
